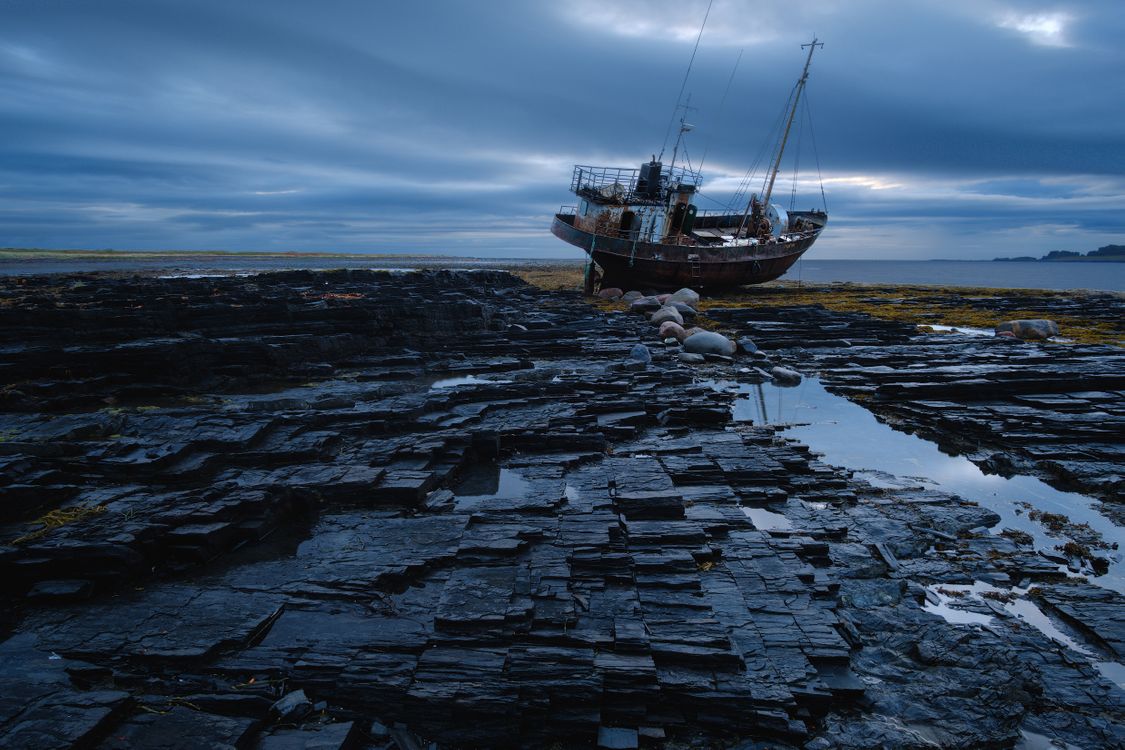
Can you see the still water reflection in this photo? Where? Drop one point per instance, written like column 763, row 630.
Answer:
column 487, row 481
column 851, row 437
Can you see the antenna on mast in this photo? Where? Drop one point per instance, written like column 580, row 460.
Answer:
column 685, row 127
column 683, row 85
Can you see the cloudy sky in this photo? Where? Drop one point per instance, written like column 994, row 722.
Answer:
column 950, row 129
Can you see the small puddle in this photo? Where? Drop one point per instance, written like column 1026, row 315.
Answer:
column 954, row 615
column 766, row 520
column 1112, row 671
column 849, row 436
column 968, row 330
column 463, row 380
column 971, row 331
column 1020, row 607
column 949, row 596
column 1034, row 741
column 486, row 482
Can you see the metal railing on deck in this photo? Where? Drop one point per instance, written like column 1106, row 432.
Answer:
column 619, row 182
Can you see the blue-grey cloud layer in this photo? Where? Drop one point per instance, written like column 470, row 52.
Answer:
column 952, row 129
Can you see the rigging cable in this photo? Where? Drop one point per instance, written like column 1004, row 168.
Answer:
column 812, row 136
column 797, row 155
column 687, row 74
column 722, row 106
column 772, row 136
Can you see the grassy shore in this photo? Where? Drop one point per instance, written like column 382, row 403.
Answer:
column 976, row 307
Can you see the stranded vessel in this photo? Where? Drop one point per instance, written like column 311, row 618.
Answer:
column 643, row 230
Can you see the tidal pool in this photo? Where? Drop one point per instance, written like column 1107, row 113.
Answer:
column 463, row 380
column 849, row 436
column 487, row 481
column 766, row 520
column 952, row 600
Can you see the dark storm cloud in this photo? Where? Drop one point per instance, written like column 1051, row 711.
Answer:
column 952, row 128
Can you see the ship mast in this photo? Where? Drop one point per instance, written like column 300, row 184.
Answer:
column 776, row 167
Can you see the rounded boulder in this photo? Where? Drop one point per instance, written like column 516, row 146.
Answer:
column 640, row 353
column 611, row 293
column 709, row 342
column 666, row 314
column 644, row 305
column 1030, row 330
column 783, row 376
column 686, row 311
column 671, row 328
column 687, row 296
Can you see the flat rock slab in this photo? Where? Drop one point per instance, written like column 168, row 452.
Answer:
column 180, row 728
column 338, row 736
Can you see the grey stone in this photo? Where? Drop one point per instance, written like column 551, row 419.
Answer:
column 708, row 342
column 293, row 706
column 666, row 315
column 688, row 312
column 785, row 377
column 1029, row 330
column 687, row 296
column 640, row 353
column 644, row 305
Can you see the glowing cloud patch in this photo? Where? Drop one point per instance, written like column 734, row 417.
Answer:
column 1047, row 29
column 729, row 23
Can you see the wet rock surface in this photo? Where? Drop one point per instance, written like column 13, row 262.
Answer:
column 1056, row 411
column 361, row 510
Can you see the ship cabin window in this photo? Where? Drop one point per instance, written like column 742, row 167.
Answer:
column 583, row 207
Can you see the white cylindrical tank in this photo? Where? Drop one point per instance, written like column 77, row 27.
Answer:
column 779, row 219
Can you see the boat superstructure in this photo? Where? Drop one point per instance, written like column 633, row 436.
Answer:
column 643, row 229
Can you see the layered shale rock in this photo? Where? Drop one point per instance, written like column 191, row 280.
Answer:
column 361, row 509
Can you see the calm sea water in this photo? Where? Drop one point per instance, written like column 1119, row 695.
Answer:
column 1010, row 275
column 1029, row 275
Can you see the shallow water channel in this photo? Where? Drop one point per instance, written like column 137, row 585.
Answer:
column 849, row 436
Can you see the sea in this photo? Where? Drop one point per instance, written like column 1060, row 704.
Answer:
column 1008, row 274
column 1108, row 277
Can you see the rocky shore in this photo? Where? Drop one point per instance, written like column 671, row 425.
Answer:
column 450, row 509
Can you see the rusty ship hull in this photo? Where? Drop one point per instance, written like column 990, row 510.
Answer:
column 633, row 264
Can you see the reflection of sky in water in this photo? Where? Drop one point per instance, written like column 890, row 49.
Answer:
column 952, row 609
column 1034, row 741
column 849, row 436
column 766, row 520
column 488, row 481
column 462, row 380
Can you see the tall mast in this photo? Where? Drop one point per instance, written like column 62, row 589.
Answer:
column 776, row 166
column 789, row 123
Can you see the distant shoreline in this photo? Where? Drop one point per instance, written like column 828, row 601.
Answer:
column 36, row 254
column 1083, row 259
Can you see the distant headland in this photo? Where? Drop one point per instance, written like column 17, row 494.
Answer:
column 1106, row 254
